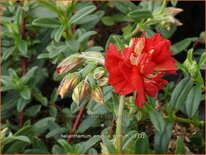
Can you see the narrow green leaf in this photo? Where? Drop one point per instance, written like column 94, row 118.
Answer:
column 124, row 7
column 142, row 145
column 29, row 75
column 13, row 138
column 59, row 33
column 26, row 93
column 23, row 47
column 193, row 100
column 67, row 147
column 82, row 13
column 86, row 35
column 73, row 44
column 108, row 21
column 21, row 104
column 56, row 132
column 46, row 22
column 33, row 110
column 156, row 118
column 181, row 46
column 85, row 146
column 109, row 145
column 140, row 14
column 180, row 93
column 180, row 146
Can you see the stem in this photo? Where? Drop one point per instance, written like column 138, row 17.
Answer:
column 112, row 128
column 185, row 120
column 136, row 30
column 76, row 123
column 119, row 125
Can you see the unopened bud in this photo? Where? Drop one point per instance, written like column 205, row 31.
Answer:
column 102, row 81
column 81, row 92
column 97, row 94
column 68, row 83
column 94, row 54
column 94, row 57
column 63, row 5
column 99, row 72
column 70, row 64
column 173, row 11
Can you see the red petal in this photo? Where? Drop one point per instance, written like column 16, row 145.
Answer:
column 151, row 88
column 167, row 65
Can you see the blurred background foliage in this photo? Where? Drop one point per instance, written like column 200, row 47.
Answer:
column 36, row 36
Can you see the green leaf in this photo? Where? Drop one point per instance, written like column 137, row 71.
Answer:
column 108, row 21
column 181, row 46
column 180, row 146
column 86, row 124
column 50, row 5
column 82, row 13
column 29, row 75
column 59, row 33
column 73, row 44
column 161, row 140
column 156, row 118
column 26, row 93
column 46, row 22
column 201, row 61
column 193, row 100
column 41, row 125
column 57, row 131
column 180, row 93
column 23, row 47
column 86, row 35
column 67, row 147
column 33, row 110
column 13, row 138
column 21, row 104
column 142, row 145
column 85, row 146
column 39, row 97
column 119, row 43
column 140, row 14
column 109, row 145
column 124, row 7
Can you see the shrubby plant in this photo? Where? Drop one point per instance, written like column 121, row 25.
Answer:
column 95, row 78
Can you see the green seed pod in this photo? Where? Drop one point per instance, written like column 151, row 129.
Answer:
column 70, row 64
column 81, row 92
column 68, row 83
column 97, row 94
column 99, row 72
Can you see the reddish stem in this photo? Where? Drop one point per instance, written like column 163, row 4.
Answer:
column 23, row 28
column 112, row 128
column 24, row 67
column 76, row 123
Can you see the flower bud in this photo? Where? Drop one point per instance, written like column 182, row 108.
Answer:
column 71, row 63
column 81, row 92
column 94, row 54
column 173, row 11
column 63, row 5
column 68, row 83
column 99, row 73
column 94, row 57
column 97, row 94
column 102, row 81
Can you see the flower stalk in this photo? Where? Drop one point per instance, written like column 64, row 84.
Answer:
column 119, row 125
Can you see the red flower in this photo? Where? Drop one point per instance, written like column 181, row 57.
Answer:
column 140, row 67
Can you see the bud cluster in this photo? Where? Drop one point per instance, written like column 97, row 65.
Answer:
column 84, row 78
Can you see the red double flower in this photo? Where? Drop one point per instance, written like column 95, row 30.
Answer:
column 140, row 66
